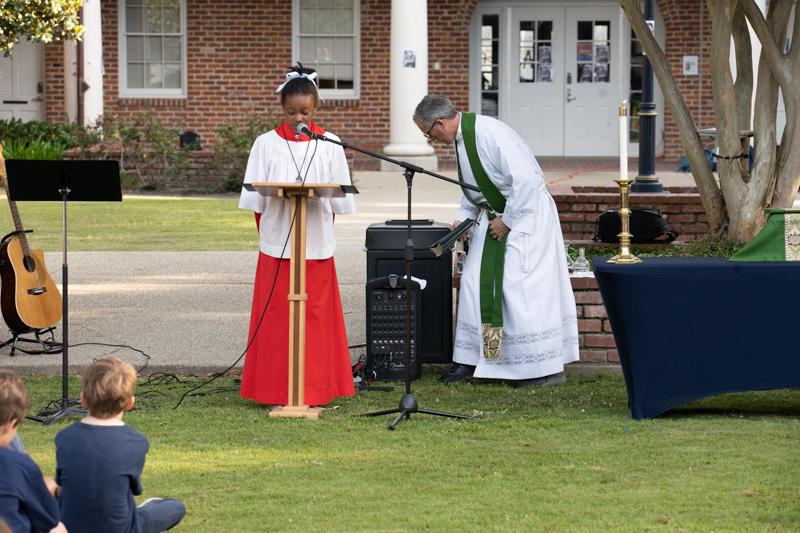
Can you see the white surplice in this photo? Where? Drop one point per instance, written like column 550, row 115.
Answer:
column 274, row 159
column 540, row 332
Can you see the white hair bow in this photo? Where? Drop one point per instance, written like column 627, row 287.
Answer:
column 294, row 74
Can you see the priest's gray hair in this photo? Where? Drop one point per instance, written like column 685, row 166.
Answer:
column 432, row 108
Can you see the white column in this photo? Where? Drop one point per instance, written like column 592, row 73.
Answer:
column 408, row 84
column 92, row 62
column 71, row 80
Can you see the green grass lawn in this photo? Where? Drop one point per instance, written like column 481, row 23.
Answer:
column 139, row 224
column 566, row 458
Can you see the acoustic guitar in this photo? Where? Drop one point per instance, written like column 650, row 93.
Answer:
column 29, row 299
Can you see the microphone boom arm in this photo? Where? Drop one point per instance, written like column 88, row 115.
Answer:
column 410, row 168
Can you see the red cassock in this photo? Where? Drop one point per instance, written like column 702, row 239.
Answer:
column 327, row 366
column 327, row 358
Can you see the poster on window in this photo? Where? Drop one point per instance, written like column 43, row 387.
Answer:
column 584, row 51
column 545, row 54
column 585, row 73
column 601, row 53
column 601, row 72
column 544, row 73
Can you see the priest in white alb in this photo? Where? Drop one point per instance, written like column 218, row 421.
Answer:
column 516, row 311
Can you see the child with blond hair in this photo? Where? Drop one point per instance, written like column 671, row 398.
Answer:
column 99, row 460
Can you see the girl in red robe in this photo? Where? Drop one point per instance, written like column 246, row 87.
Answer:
column 283, row 155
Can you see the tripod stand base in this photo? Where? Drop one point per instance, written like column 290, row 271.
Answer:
column 408, row 405
column 300, row 411
column 48, row 345
column 50, row 417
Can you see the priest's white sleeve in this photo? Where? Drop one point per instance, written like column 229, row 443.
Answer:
column 466, row 210
column 255, row 172
column 518, row 164
column 340, row 173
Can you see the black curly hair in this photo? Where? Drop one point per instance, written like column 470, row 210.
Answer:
column 300, row 85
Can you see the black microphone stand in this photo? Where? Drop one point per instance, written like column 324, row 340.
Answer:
column 408, row 404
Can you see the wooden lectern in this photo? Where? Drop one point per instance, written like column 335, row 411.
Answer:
column 298, row 194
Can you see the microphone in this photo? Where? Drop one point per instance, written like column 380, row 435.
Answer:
column 303, row 129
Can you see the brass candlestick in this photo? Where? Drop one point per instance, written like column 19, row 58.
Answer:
column 624, row 257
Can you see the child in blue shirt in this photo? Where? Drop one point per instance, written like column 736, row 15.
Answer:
column 99, row 460
column 26, row 504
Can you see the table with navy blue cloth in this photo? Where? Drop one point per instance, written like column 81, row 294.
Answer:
column 690, row 327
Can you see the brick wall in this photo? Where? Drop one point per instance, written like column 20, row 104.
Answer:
column 596, row 340
column 448, row 44
column 579, row 208
column 54, row 105
column 238, row 52
column 688, row 29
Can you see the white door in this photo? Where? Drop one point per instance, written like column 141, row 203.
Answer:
column 593, row 82
column 21, row 83
column 536, row 78
column 562, row 92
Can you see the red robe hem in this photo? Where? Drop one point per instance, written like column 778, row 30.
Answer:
column 328, row 373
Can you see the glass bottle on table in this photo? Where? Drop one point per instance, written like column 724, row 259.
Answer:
column 581, row 263
column 570, row 260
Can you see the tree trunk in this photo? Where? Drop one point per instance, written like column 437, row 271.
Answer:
column 710, row 194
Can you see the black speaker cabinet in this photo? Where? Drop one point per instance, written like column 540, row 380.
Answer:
column 386, row 334
column 385, row 244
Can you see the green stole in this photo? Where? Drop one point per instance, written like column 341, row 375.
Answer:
column 491, row 285
column 778, row 240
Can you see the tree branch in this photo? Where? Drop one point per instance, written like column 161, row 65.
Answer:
column 765, row 114
column 725, row 108
column 770, row 49
column 710, row 194
column 743, row 86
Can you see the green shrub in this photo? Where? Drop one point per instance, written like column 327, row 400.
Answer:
column 149, row 153
column 32, row 150
column 706, row 246
column 67, row 135
column 232, row 145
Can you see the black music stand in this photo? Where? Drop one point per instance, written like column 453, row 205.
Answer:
column 63, row 181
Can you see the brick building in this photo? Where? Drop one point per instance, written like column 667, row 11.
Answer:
column 555, row 71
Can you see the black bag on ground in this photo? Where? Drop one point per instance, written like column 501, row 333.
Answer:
column 647, row 225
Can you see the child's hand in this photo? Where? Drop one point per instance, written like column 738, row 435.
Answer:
column 52, row 486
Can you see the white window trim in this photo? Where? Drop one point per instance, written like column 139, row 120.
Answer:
column 333, row 94
column 122, row 64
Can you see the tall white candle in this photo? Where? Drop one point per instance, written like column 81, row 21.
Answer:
column 623, row 141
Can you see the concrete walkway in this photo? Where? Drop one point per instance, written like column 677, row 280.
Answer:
column 190, row 310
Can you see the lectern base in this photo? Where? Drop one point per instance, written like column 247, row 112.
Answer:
column 301, row 411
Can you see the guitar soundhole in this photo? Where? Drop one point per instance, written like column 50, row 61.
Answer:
column 30, row 264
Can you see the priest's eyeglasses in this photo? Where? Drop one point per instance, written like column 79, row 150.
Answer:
column 427, row 134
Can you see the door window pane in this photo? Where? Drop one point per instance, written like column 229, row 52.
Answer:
column 635, row 95
column 535, row 51
column 593, row 52
column 490, row 64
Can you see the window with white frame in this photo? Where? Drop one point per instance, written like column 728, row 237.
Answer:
column 326, row 38
column 152, row 48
